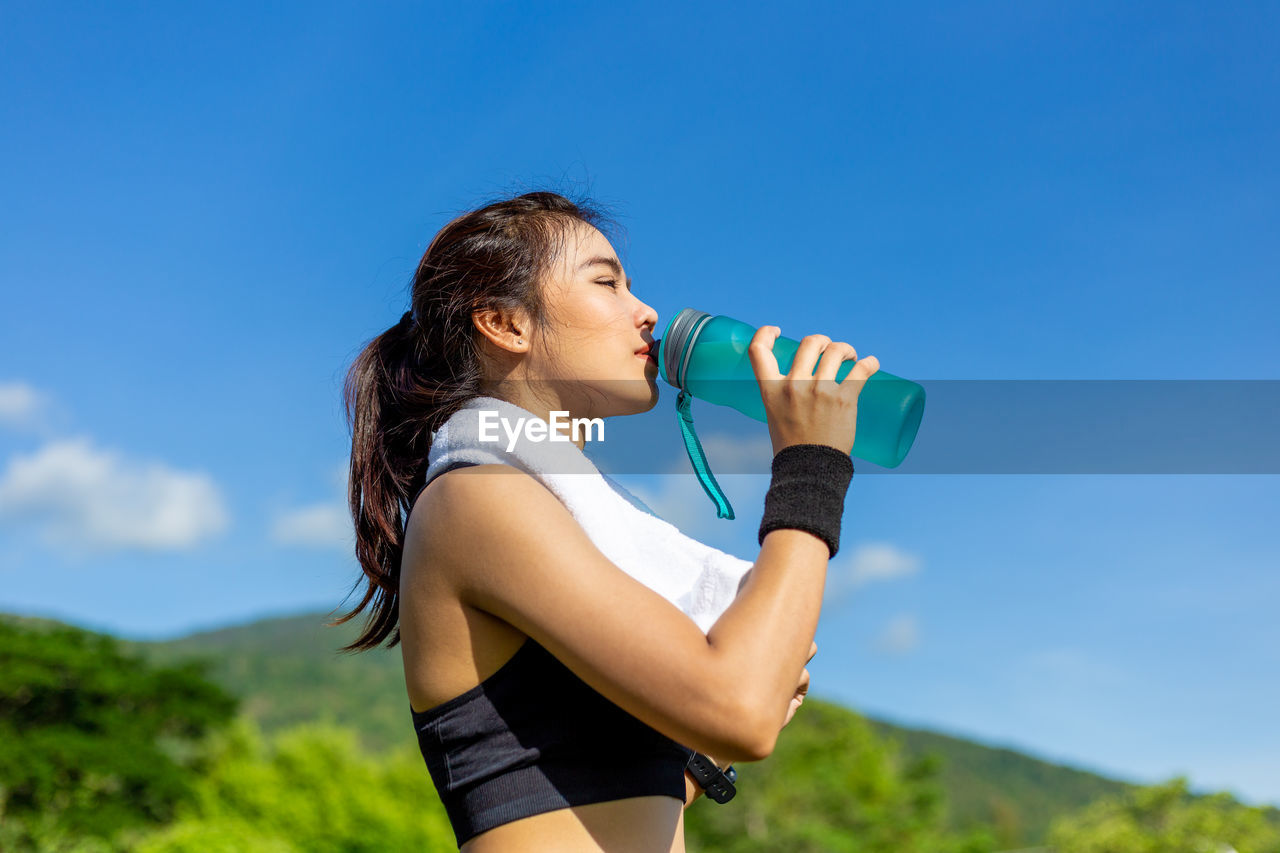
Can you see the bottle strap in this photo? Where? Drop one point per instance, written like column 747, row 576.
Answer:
column 684, row 411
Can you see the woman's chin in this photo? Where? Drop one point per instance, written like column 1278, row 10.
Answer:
column 651, row 402
column 632, row 397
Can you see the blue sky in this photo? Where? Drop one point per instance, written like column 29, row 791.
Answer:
column 206, row 215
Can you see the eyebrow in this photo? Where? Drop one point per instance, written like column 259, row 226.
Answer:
column 608, row 262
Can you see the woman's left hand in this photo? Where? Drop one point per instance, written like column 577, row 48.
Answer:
column 801, row 689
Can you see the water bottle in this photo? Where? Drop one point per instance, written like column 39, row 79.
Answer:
column 705, row 356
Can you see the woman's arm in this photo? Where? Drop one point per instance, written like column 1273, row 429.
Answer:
column 724, row 693
column 692, row 790
column 509, row 547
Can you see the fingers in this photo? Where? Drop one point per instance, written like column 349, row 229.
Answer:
column 865, row 367
column 800, row 411
column 802, row 690
column 811, row 346
column 760, row 352
column 836, row 353
column 857, row 376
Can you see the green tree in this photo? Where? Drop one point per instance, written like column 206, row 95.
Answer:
column 93, row 740
column 1166, row 818
column 311, row 788
column 833, row 786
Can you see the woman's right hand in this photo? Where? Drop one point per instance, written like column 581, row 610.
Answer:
column 808, row 407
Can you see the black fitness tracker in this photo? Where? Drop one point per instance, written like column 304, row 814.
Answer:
column 717, row 783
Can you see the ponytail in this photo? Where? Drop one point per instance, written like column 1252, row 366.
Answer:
column 411, row 378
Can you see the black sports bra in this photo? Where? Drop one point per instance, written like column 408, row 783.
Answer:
column 533, row 737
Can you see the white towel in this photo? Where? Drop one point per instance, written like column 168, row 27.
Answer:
column 700, row 580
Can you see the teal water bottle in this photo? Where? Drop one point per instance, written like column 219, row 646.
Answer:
column 705, row 356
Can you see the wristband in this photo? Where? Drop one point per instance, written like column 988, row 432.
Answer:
column 716, row 783
column 807, row 492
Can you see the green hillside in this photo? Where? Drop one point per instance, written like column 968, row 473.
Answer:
column 286, row 671
column 1016, row 794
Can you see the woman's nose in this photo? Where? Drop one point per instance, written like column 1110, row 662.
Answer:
column 649, row 316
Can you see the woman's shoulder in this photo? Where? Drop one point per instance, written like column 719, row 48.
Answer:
column 455, row 472
column 463, row 466
column 460, row 499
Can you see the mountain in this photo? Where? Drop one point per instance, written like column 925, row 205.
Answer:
column 287, row 670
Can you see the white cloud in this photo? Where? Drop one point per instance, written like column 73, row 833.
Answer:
column 900, row 636
column 730, row 454
column 868, row 563
column 324, row 525
column 1061, row 665
column 21, row 405
column 676, row 495
column 675, row 499
column 83, row 498
column 680, row 500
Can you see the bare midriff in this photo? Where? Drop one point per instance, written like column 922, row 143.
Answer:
column 633, row 825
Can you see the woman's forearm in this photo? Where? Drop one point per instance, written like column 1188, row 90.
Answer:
column 766, row 633
column 692, row 790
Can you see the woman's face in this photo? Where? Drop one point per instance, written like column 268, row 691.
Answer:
column 589, row 355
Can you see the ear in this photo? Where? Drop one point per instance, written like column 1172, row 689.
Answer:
column 506, row 330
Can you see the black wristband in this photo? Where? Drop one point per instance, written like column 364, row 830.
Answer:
column 717, row 784
column 807, row 492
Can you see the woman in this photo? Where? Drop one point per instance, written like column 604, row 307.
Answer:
column 551, row 717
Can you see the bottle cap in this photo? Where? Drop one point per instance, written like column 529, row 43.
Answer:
column 677, row 344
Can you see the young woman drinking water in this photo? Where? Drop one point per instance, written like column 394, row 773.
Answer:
column 557, row 699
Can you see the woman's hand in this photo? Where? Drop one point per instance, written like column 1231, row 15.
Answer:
column 802, row 688
column 807, row 406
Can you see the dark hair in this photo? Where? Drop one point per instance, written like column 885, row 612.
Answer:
column 411, row 378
